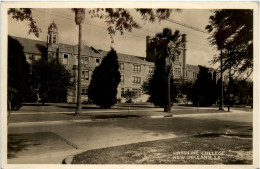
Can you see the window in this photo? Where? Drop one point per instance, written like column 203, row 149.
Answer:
column 85, row 75
column 76, row 60
column 29, row 58
column 122, row 79
column 137, row 68
column 85, row 60
column 37, row 57
column 136, row 80
column 54, row 39
column 122, row 92
column 225, row 78
column 97, row 61
column 84, row 91
column 138, row 92
column 151, row 69
column 121, row 66
column 177, row 72
column 195, row 75
column 177, row 59
column 65, row 59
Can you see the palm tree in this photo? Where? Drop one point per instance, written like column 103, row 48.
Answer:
column 168, row 46
column 79, row 19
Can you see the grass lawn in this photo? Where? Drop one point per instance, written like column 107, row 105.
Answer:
column 199, row 149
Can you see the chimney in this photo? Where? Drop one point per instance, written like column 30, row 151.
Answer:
column 147, row 45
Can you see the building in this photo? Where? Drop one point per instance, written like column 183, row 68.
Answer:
column 134, row 70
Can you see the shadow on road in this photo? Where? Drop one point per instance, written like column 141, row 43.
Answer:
column 178, row 126
column 17, row 144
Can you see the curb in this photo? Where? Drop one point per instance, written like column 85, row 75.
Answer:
column 68, row 159
column 93, row 120
column 80, row 121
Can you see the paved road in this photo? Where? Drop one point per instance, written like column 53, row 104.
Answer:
column 47, row 143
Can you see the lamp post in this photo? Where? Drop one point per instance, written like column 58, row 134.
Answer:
column 79, row 19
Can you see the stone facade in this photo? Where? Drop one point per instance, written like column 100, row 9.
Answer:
column 134, row 70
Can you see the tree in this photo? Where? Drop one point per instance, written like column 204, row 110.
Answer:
column 155, row 86
column 79, row 19
column 105, row 80
column 185, row 88
column 129, row 96
column 168, row 47
column 21, row 14
column 232, row 32
column 242, row 91
column 18, row 75
column 203, row 92
column 52, row 80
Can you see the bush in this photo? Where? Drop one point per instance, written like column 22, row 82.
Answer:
column 204, row 89
column 105, row 80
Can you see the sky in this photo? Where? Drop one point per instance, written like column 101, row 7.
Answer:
column 94, row 32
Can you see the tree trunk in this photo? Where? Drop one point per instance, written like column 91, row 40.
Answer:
column 9, row 105
column 79, row 107
column 221, row 104
column 167, row 106
column 128, row 107
column 229, row 86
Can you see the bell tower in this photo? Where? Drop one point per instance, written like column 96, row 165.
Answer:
column 52, row 36
column 53, row 41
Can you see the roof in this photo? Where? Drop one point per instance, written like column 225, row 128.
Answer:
column 192, row 67
column 32, row 46
column 39, row 47
column 129, row 58
column 65, row 48
column 197, row 68
column 86, row 50
column 53, row 26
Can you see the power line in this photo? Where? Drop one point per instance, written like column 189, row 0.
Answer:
column 169, row 20
column 185, row 25
column 131, row 34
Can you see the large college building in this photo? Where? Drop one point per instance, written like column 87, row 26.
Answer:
column 134, row 70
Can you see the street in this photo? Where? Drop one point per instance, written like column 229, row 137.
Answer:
column 51, row 143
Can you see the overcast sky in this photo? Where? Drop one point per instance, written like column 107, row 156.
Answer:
column 199, row 52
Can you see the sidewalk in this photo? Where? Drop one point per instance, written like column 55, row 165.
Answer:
column 28, row 117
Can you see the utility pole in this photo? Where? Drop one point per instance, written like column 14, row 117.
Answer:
column 79, row 19
column 221, row 82
column 229, row 89
column 229, row 85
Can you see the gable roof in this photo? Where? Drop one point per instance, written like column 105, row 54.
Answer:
column 86, row 50
column 129, row 58
column 192, row 67
column 39, row 47
column 32, row 46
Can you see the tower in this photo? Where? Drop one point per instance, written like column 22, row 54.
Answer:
column 150, row 51
column 53, row 41
column 184, row 56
